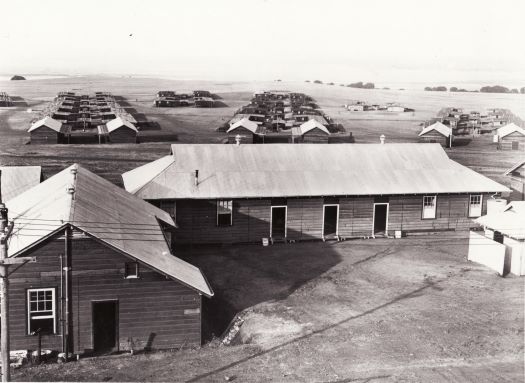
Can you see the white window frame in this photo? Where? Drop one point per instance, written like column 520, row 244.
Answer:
column 475, row 213
column 131, row 276
column 432, row 212
column 53, row 310
column 337, row 222
column 229, row 205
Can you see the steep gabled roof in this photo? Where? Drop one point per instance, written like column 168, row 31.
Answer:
column 312, row 124
column 284, row 170
column 17, row 179
column 119, row 122
column 51, row 123
column 244, row 123
column 103, row 211
column 509, row 129
column 438, row 127
column 509, row 221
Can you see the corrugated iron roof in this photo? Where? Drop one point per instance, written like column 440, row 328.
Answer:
column 245, row 123
column 119, row 122
column 509, row 129
column 103, row 211
column 284, row 170
column 438, row 127
column 312, row 124
column 17, row 179
column 510, row 221
column 49, row 122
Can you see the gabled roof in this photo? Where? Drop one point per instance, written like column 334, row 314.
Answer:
column 509, row 221
column 438, row 127
column 312, row 124
column 119, row 122
column 509, row 129
column 244, row 123
column 515, row 167
column 17, row 179
column 49, row 122
column 103, row 211
column 284, row 170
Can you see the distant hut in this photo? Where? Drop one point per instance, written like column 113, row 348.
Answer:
column 204, row 102
column 121, row 130
column 511, row 137
column 47, row 131
column 244, row 128
column 437, row 133
column 311, row 131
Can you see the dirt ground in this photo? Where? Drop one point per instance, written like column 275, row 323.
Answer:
column 384, row 310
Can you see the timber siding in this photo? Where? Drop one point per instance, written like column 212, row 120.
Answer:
column 45, row 135
column 434, row 136
column 152, row 310
column 506, row 142
column 123, row 135
column 197, row 219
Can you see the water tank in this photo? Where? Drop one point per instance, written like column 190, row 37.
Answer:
column 495, row 205
column 495, row 138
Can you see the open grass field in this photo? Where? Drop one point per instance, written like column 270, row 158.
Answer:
column 410, row 310
column 200, row 124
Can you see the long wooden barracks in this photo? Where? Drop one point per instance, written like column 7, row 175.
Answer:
column 105, row 277
column 245, row 193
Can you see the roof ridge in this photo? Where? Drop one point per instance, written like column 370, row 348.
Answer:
column 172, row 155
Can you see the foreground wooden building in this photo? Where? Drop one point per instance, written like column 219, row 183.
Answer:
column 105, row 278
column 516, row 176
column 243, row 193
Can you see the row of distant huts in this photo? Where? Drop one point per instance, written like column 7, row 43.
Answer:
column 114, row 248
column 198, row 98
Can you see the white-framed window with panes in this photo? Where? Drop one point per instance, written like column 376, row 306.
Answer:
column 224, row 212
column 475, row 205
column 41, row 311
column 429, row 207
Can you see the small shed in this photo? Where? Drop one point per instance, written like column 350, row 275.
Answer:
column 517, row 180
column 245, row 128
column 506, row 227
column 47, row 131
column 121, row 130
column 312, row 131
column 437, row 133
column 511, row 137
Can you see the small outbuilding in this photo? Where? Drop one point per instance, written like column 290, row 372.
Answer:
column 47, row 131
column 243, row 128
column 120, row 130
column 505, row 227
column 511, row 137
column 437, row 133
column 312, row 131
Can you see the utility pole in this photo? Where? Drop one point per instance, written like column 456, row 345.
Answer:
column 5, row 232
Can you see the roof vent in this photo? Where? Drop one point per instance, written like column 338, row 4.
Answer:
column 382, row 139
column 196, row 177
column 70, row 189
column 238, row 139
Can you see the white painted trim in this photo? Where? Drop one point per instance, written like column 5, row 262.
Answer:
column 480, row 206
column 336, row 223
column 285, row 220
column 423, row 206
column 374, row 216
column 28, row 312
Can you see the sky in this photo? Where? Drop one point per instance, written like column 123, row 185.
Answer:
column 380, row 41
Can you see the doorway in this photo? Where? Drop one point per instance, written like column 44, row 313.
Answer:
column 380, row 219
column 105, row 326
column 278, row 222
column 330, row 220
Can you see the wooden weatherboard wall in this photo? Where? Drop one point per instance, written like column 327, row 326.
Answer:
column 197, row 219
column 153, row 311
